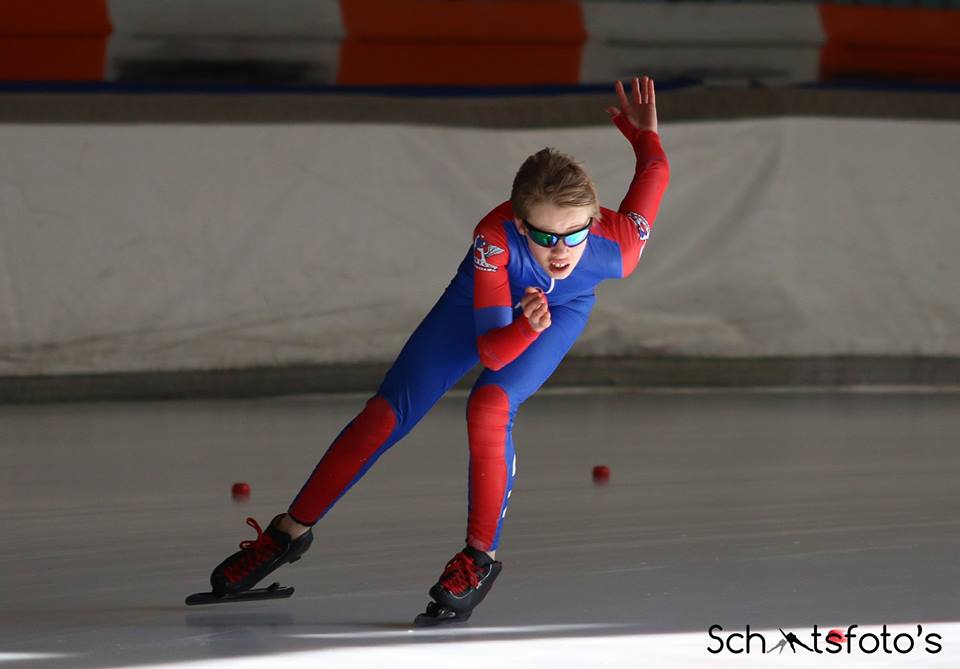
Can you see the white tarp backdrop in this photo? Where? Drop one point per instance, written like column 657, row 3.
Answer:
column 170, row 247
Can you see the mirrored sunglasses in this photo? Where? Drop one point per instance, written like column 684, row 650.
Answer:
column 549, row 239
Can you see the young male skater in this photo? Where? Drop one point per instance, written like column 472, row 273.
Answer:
column 519, row 300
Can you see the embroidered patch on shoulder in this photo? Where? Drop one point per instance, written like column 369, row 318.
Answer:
column 643, row 228
column 483, row 250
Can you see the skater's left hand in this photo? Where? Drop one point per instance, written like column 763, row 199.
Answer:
column 641, row 112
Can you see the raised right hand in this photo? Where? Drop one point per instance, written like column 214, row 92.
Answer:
column 641, row 112
column 535, row 308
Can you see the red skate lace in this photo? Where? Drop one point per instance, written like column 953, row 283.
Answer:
column 460, row 574
column 255, row 553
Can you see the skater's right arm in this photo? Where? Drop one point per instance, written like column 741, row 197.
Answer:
column 636, row 119
column 500, row 337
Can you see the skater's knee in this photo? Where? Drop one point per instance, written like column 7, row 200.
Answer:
column 378, row 417
column 488, row 417
column 374, row 424
column 488, row 407
column 379, row 411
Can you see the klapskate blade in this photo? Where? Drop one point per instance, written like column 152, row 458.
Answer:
column 275, row 591
column 427, row 620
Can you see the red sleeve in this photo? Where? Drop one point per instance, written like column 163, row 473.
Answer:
column 499, row 347
column 637, row 212
column 500, row 338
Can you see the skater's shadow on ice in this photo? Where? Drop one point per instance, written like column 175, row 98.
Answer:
column 392, row 625
column 278, row 619
column 232, row 619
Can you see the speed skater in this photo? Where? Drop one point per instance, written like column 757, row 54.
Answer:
column 519, row 300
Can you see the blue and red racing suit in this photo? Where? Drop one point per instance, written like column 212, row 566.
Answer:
column 475, row 321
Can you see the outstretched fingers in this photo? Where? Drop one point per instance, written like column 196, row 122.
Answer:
column 639, row 106
column 622, row 96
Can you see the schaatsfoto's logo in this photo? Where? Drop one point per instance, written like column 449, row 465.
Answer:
column 835, row 641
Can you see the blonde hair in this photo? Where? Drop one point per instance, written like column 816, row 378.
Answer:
column 554, row 177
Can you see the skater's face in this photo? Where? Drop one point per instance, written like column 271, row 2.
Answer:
column 557, row 261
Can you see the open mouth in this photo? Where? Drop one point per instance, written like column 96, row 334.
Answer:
column 559, row 267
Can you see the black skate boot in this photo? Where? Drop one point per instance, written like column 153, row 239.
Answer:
column 257, row 558
column 465, row 581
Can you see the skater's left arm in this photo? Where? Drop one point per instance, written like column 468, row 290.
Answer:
column 637, row 121
column 501, row 337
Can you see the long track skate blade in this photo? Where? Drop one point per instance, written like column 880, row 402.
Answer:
column 275, row 591
column 437, row 615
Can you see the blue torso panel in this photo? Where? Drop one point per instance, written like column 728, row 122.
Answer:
column 601, row 260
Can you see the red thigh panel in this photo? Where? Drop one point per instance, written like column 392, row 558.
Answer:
column 488, row 414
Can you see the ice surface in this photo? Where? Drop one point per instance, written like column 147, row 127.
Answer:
column 769, row 509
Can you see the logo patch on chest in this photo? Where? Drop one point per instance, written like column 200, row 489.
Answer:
column 483, row 250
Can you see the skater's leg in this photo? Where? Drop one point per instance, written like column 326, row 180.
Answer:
column 492, row 463
column 491, row 409
column 439, row 352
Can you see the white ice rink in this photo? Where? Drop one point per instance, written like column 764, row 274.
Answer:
column 774, row 510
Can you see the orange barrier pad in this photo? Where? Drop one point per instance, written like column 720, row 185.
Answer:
column 53, row 40
column 460, row 20
column 398, row 63
column 915, row 44
column 55, row 17
column 53, row 58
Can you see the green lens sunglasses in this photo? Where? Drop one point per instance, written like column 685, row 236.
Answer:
column 549, row 239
